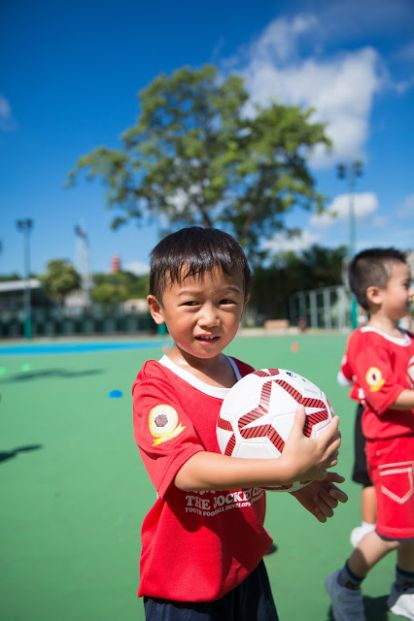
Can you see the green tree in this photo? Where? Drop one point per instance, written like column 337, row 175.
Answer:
column 105, row 293
column 195, row 156
column 10, row 277
column 272, row 286
column 60, row 279
column 111, row 289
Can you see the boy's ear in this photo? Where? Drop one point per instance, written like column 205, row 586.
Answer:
column 374, row 295
column 155, row 309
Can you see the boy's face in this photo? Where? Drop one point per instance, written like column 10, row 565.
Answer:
column 202, row 313
column 396, row 295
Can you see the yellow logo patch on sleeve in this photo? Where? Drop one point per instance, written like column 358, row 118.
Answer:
column 374, row 379
column 163, row 423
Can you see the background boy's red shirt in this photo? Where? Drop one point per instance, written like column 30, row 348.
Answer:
column 196, row 546
column 378, row 365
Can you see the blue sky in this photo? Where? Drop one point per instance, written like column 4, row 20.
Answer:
column 69, row 82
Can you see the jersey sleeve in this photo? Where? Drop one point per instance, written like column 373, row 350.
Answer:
column 346, row 373
column 344, row 376
column 375, row 375
column 163, row 431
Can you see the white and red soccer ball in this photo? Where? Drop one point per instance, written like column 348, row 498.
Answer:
column 257, row 414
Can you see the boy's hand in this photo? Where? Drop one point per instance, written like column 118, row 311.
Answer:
column 308, row 458
column 321, row 497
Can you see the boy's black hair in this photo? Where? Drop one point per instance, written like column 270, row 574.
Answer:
column 198, row 250
column 371, row 268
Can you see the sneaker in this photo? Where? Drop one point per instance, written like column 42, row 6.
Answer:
column 401, row 602
column 346, row 603
column 359, row 533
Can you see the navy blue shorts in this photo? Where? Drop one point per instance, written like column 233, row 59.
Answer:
column 360, row 470
column 252, row 600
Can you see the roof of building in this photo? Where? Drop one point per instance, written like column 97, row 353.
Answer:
column 19, row 285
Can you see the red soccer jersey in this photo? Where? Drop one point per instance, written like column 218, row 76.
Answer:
column 196, row 546
column 379, row 366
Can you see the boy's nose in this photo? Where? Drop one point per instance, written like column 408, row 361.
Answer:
column 208, row 316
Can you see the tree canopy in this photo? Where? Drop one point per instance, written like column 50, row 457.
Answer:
column 60, row 279
column 111, row 289
column 199, row 154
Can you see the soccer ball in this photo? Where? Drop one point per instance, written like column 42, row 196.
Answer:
column 258, row 412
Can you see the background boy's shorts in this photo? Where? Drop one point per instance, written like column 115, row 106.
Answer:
column 391, row 467
column 360, row 470
column 252, row 600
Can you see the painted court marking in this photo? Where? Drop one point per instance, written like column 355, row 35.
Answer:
column 76, row 348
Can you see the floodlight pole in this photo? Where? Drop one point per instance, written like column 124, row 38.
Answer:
column 350, row 172
column 25, row 226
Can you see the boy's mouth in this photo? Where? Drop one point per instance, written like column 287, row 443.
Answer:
column 207, row 338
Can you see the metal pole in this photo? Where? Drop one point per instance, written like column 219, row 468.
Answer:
column 25, row 227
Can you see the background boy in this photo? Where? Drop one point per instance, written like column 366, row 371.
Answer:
column 380, row 279
column 203, row 540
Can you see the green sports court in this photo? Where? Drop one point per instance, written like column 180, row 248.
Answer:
column 74, row 492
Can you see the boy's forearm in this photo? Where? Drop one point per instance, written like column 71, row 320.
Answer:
column 211, row 471
column 404, row 401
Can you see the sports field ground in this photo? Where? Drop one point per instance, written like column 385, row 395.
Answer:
column 74, row 492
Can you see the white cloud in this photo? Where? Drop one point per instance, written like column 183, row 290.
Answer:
column 283, row 243
column 407, row 209
column 379, row 221
column 181, row 199
column 279, row 39
column 138, row 268
column 364, row 204
column 341, row 89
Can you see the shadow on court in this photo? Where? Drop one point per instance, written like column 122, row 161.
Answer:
column 6, row 455
column 376, row 609
column 50, row 373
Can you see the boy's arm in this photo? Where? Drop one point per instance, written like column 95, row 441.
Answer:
column 303, row 459
column 344, row 375
column 404, row 401
column 346, row 372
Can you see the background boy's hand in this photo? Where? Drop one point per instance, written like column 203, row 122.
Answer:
column 321, row 497
column 308, row 458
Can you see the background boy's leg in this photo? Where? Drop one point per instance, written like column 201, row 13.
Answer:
column 368, row 514
column 369, row 551
column 368, row 504
column 405, row 556
column 343, row 585
column 361, row 476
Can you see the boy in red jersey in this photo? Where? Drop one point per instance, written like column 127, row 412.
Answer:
column 380, row 280
column 203, row 540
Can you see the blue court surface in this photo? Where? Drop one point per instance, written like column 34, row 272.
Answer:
column 75, row 347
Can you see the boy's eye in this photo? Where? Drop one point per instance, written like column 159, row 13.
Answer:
column 190, row 303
